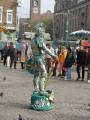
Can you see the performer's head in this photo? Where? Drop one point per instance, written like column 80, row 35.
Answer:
column 48, row 45
column 39, row 29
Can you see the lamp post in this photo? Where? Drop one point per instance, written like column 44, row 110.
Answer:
column 66, row 26
column 66, row 32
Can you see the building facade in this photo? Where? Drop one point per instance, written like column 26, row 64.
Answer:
column 34, row 9
column 23, row 27
column 24, row 23
column 35, row 14
column 8, row 19
column 78, row 15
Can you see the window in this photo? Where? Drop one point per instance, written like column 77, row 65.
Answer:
column 1, row 11
column 9, row 16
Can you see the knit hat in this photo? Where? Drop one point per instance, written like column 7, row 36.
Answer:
column 69, row 49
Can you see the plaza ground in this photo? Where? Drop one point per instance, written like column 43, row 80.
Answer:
column 72, row 97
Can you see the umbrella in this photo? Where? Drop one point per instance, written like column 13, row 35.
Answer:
column 81, row 33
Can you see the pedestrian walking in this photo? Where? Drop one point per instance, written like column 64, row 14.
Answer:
column 11, row 54
column 61, row 59
column 48, row 58
column 23, row 57
column 81, row 62
column 5, row 53
column 88, row 65
column 15, row 56
column 69, row 61
column 55, row 67
column 26, row 50
column 8, row 57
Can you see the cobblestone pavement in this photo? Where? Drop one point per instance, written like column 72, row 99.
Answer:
column 72, row 97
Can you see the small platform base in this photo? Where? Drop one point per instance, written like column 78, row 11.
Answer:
column 40, row 102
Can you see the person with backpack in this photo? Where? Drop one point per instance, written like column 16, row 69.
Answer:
column 69, row 61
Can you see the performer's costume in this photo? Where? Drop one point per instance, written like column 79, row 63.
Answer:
column 40, row 73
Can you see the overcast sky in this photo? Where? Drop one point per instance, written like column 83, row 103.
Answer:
column 24, row 10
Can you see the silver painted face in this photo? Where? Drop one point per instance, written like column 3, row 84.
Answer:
column 40, row 31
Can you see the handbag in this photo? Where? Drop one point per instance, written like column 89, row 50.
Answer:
column 64, row 69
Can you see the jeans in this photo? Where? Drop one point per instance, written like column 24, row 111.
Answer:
column 68, row 73
column 54, row 72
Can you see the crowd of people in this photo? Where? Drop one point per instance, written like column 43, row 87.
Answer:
column 11, row 55
column 66, row 59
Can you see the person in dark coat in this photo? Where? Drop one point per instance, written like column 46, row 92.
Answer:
column 88, row 64
column 81, row 62
column 15, row 56
column 8, row 57
column 5, row 54
column 11, row 54
column 69, row 61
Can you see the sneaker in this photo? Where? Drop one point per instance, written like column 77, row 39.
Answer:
column 82, row 79
column 88, row 81
column 62, row 76
column 78, row 78
column 65, row 79
column 59, row 75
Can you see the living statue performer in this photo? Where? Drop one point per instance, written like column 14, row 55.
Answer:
column 40, row 99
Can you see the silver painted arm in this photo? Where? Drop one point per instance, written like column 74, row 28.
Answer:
column 48, row 51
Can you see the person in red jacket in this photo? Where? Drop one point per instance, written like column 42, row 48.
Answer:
column 55, row 67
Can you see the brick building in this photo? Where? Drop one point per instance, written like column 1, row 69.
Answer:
column 23, row 26
column 35, row 9
column 78, row 12
column 35, row 14
column 8, row 19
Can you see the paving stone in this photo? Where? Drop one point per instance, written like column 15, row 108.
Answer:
column 72, row 97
